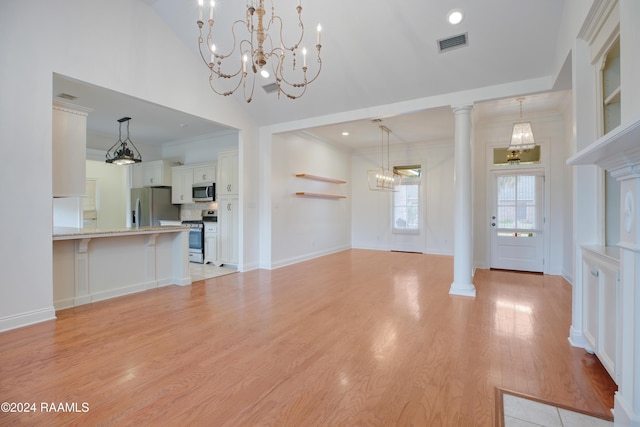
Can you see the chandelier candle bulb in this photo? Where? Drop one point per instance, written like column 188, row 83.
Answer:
column 318, row 36
column 211, row 10
column 200, row 5
column 304, row 56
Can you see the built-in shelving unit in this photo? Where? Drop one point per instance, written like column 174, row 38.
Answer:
column 323, row 179
column 320, row 178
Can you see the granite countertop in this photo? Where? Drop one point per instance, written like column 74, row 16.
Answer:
column 68, row 233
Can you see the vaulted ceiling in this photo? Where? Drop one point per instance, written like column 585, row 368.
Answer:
column 375, row 53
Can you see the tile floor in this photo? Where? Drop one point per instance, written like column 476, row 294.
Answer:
column 207, row 271
column 520, row 412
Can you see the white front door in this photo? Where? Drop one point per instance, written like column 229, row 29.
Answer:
column 517, row 221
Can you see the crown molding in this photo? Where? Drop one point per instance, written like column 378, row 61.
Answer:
column 596, row 18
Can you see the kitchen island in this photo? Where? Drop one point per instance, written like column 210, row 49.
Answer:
column 92, row 264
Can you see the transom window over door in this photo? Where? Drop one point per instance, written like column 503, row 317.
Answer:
column 406, row 200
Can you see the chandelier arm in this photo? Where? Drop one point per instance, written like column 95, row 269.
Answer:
column 295, row 46
column 244, row 87
column 229, row 92
column 290, row 96
column 118, row 142
column 130, row 142
column 201, row 42
column 306, row 81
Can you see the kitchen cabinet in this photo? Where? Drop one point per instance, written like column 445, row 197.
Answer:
column 227, row 173
column 228, row 208
column 69, row 142
column 205, row 172
column 211, row 243
column 157, row 173
column 600, row 281
column 227, row 188
column 181, row 182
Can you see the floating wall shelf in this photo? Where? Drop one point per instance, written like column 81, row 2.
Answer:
column 325, row 196
column 320, row 178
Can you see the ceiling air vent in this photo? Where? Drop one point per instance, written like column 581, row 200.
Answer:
column 445, row 45
column 270, row 88
column 66, row 96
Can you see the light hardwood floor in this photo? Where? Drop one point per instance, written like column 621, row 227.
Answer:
column 354, row 338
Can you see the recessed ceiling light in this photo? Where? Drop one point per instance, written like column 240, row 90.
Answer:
column 455, row 17
column 345, row 133
column 264, row 73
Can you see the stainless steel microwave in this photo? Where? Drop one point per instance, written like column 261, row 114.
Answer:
column 204, row 192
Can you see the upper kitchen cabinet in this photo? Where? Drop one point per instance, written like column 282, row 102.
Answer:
column 227, row 172
column 152, row 174
column 181, row 184
column 69, row 140
column 157, row 174
column 205, row 172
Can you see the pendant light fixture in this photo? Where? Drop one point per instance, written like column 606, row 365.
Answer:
column 259, row 49
column 522, row 140
column 123, row 152
column 383, row 178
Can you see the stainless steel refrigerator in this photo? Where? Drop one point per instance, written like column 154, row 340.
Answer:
column 151, row 204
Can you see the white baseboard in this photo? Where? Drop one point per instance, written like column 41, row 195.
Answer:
column 61, row 304
column 622, row 414
column 27, row 318
column 126, row 290
column 184, row 281
column 576, row 339
column 306, row 257
column 248, row 267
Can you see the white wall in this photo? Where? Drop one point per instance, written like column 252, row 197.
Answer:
column 112, row 193
column 131, row 60
column 371, row 225
column 568, row 252
column 307, row 227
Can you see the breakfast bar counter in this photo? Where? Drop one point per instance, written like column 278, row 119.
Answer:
column 96, row 264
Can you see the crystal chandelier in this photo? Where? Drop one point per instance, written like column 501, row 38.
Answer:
column 522, row 140
column 383, row 178
column 120, row 153
column 263, row 51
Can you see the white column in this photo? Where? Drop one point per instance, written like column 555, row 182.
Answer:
column 462, row 284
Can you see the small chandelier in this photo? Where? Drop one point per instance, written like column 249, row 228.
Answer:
column 522, row 140
column 383, row 179
column 262, row 50
column 120, row 153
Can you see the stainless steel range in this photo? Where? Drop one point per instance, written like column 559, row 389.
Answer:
column 196, row 241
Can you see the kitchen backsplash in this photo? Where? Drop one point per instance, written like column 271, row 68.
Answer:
column 193, row 211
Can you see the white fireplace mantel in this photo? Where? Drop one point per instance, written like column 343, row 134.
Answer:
column 618, row 150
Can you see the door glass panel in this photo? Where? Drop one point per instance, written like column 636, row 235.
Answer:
column 516, row 202
column 406, row 208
